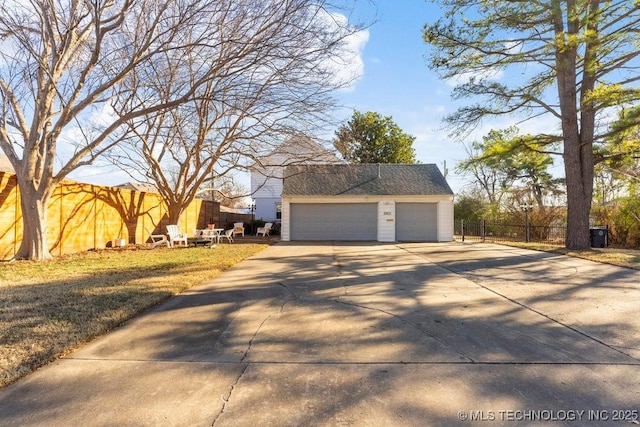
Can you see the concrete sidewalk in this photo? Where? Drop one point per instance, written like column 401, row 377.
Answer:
column 363, row 334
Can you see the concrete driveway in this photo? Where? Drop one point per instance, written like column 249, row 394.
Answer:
column 363, row 334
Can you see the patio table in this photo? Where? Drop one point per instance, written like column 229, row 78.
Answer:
column 208, row 236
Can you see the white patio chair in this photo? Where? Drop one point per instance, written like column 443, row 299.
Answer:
column 157, row 239
column 228, row 234
column 175, row 236
column 264, row 230
column 238, row 228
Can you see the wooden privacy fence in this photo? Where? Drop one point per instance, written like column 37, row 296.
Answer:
column 85, row 216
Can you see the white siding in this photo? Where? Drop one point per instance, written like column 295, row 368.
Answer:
column 266, row 209
column 267, row 183
column 285, row 234
column 267, row 177
column 266, row 190
column 445, row 220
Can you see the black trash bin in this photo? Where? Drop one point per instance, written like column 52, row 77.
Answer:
column 599, row 238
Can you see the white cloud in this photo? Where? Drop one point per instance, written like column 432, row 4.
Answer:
column 348, row 67
column 356, row 44
column 103, row 116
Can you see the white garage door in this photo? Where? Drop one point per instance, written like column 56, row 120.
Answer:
column 416, row 222
column 334, row 221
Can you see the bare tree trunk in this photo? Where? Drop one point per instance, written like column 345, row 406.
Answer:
column 578, row 155
column 34, row 245
column 579, row 176
column 174, row 211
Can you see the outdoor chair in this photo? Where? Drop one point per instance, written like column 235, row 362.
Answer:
column 175, row 236
column 228, row 235
column 264, row 230
column 238, row 228
column 157, row 239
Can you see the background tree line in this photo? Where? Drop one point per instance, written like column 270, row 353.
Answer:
column 509, row 173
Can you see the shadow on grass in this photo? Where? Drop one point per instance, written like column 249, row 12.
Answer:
column 51, row 316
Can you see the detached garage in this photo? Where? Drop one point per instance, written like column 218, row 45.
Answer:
column 386, row 203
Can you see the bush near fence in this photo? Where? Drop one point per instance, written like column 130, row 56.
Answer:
column 84, row 216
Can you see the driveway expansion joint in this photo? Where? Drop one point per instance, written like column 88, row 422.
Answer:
column 227, row 398
column 472, row 278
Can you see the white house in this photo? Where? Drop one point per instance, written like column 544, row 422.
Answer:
column 378, row 202
column 267, row 174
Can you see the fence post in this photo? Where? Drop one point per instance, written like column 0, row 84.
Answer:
column 526, row 207
column 462, row 227
column 483, row 230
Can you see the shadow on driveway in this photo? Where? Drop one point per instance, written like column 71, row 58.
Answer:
column 362, row 334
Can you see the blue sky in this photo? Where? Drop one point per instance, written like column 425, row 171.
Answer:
column 397, row 82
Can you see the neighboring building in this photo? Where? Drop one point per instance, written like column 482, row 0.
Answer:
column 5, row 165
column 267, row 174
column 137, row 186
column 383, row 202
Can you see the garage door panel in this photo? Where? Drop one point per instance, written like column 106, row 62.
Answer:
column 416, row 222
column 333, row 221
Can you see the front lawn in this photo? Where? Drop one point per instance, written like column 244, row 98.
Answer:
column 49, row 308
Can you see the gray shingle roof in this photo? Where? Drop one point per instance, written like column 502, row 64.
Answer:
column 364, row 179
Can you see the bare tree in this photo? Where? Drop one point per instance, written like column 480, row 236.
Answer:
column 273, row 71
column 61, row 63
column 493, row 181
column 230, row 193
column 70, row 75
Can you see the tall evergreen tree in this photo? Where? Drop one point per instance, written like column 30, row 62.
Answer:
column 572, row 60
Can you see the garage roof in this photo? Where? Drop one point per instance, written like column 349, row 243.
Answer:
column 364, row 179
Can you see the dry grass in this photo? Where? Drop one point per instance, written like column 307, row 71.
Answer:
column 628, row 258
column 50, row 308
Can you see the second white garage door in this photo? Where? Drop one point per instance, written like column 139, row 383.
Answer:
column 334, row 221
column 416, row 222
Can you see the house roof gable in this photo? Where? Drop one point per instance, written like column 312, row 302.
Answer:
column 364, row 179
column 297, row 150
